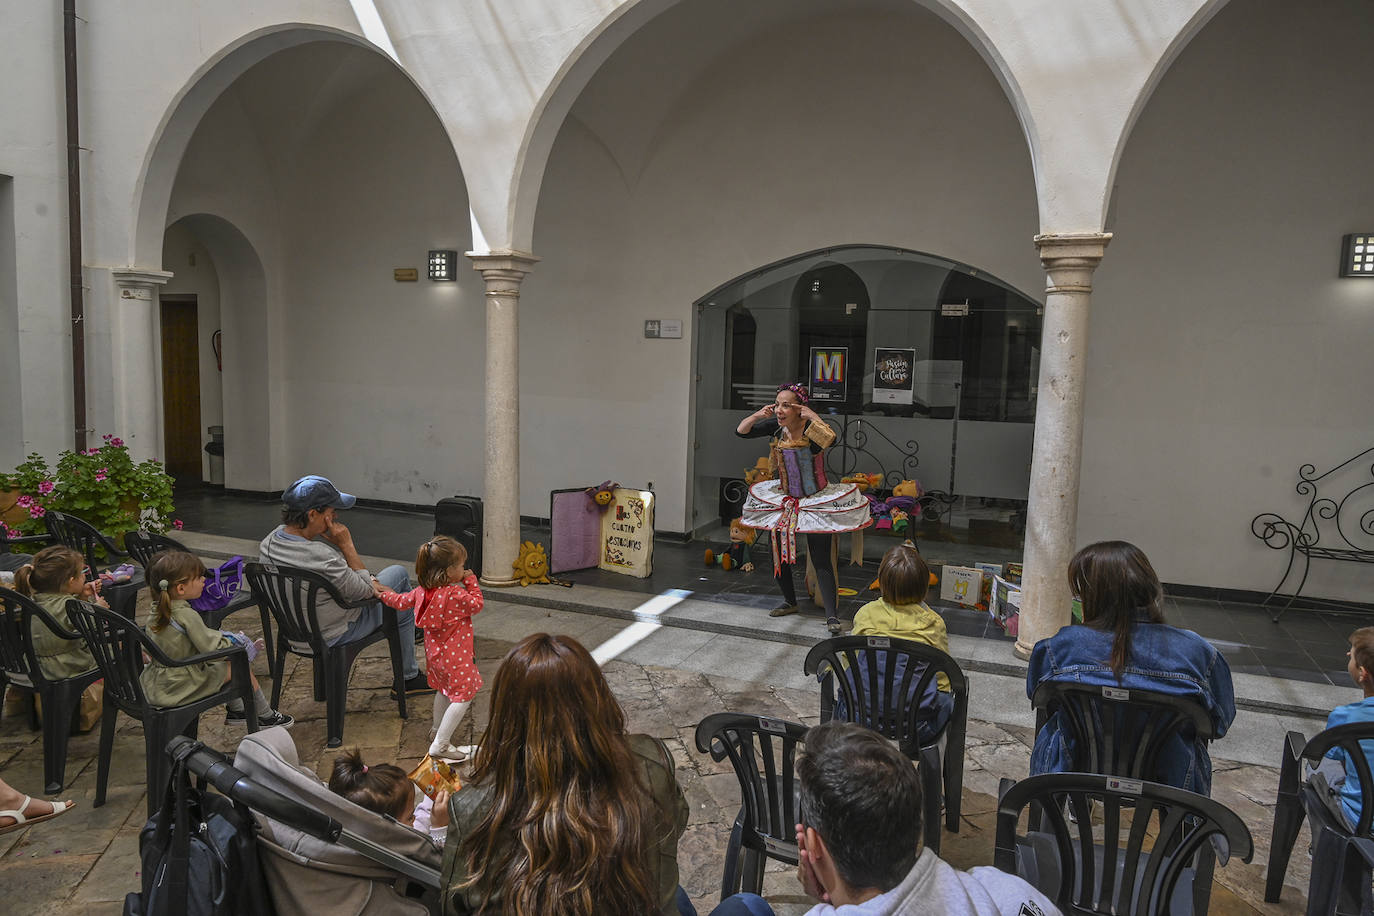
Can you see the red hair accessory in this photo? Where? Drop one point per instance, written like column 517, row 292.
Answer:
column 796, row 389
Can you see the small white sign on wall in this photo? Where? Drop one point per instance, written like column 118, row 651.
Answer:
column 667, row 328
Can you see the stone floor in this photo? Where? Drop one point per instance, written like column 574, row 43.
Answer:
column 667, row 677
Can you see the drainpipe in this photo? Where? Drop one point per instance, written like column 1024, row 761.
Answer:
column 74, row 228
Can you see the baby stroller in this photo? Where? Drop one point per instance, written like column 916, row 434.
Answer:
column 319, row 852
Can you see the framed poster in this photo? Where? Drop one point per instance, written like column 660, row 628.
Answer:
column 627, row 533
column 828, row 368
column 894, row 373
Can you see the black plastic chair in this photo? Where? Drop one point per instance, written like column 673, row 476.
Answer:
column 879, row 677
column 1131, row 869
column 763, row 753
column 144, row 545
column 19, row 666
column 1299, row 798
column 1118, row 731
column 119, row 646
column 85, row 539
column 1352, row 859
column 291, row 594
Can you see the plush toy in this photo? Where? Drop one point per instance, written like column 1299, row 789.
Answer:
column 532, row 565
column 760, row 471
column 737, row 555
column 909, row 488
column 602, row 496
column 865, row 482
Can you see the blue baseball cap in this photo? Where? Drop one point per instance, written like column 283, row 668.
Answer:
column 316, row 492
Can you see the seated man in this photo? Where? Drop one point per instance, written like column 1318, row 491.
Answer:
column 860, row 838
column 311, row 537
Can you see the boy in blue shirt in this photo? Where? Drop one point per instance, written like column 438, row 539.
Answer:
column 1339, row 773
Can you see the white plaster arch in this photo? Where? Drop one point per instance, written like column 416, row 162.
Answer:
column 614, row 29
column 1204, row 14
column 153, row 189
column 252, row 416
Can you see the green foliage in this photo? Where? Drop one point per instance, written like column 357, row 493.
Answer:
column 102, row 486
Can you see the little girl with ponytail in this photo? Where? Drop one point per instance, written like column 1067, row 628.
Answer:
column 176, row 578
column 57, row 575
column 386, row 789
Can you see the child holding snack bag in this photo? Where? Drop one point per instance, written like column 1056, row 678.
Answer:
column 386, row 789
column 444, row 603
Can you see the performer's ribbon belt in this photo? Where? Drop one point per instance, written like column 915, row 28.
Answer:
column 785, row 535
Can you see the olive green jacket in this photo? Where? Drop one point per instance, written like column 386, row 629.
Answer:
column 58, row 658
column 184, row 636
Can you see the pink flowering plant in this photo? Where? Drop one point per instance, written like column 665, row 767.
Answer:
column 103, row 486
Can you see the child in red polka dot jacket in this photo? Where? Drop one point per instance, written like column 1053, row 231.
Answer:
column 444, row 602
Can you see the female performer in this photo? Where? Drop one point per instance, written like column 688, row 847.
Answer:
column 799, row 498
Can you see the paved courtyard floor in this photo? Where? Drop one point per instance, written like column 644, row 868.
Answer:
column 667, row 678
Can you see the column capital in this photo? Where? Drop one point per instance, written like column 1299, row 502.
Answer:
column 503, row 262
column 1071, row 258
column 138, row 282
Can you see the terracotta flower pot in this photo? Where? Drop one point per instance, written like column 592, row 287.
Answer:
column 11, row 513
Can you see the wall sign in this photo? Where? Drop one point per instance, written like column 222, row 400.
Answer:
column 828, row 368
column 406, row 274
column 666, row 328
column 893, row 375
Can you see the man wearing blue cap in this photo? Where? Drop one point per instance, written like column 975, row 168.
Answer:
column 311, row 537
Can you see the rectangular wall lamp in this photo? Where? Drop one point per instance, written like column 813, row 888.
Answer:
column 1357, row 255
column 443, row 265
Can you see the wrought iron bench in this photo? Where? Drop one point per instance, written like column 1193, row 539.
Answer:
column 1333, row 527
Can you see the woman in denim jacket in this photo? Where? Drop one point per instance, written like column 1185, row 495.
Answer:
column 1124, row 642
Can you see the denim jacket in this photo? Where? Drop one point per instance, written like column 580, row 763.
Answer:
column 1162, row 658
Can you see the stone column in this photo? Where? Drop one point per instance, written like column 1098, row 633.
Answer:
column 502, row 270
column 135, row 355
column 1052, row 516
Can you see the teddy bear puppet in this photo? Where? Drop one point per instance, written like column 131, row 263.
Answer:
column 738, row 554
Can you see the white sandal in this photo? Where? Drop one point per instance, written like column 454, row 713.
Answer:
column 58, row 807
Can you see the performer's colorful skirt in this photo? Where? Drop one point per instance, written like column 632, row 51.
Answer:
column 833, row 509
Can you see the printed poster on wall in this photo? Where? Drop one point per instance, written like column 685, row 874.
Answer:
column 828, row 368
column 627, row 533
column 961, row 584
column 893, row 375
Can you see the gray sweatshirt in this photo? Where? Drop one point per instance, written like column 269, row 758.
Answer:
column 324, row 558
column 935, row 886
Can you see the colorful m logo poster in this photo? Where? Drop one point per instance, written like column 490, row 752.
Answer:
column 828, row 368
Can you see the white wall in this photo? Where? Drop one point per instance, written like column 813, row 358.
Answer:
column 194, row 274
column 1224, row 350
column 709, row 146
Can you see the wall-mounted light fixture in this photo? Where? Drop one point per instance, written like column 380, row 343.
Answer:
column 1357, row 255
column 443, row 265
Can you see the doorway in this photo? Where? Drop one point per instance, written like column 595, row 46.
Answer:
column 181, row 388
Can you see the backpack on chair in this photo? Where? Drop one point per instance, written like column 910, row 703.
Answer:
column 199, row 854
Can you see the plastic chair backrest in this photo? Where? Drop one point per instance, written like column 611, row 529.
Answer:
column 291, row 594
column 1348, row 738
column 763, row 753
column 1133, row 879
column 118, row 645
column 144, row 545
column 17, row 660
column 883, row 680
column 1118, row 731
column 80, row 536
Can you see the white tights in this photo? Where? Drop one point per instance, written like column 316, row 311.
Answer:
column 446, row 718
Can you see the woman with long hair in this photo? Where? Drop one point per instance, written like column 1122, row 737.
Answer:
column 564, row 813
column 1123, row 641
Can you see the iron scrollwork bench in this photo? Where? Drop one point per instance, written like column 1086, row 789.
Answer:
column 1337, row 528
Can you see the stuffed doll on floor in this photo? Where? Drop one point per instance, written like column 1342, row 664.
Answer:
column 739, row 554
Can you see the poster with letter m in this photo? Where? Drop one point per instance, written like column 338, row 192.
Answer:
column 828, row 368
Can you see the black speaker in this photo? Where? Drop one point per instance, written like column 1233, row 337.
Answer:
column 460, row 517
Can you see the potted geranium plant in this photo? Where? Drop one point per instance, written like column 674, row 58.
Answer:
column 102, row 486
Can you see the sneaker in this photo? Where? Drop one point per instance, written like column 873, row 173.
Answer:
column 234, row 717
column 419, row 684
column 448, row 753
column 783, row 610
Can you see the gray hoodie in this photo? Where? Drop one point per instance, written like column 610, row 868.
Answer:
column 935, row 886
column 322, row 557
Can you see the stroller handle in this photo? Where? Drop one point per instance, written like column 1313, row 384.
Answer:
column 211, row 765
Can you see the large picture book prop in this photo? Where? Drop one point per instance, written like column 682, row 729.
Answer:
column 619, row 538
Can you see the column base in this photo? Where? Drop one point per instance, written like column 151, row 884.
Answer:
column 492, row 582
column 1022, row 652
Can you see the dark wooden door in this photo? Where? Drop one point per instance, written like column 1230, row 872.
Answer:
column 181, row 388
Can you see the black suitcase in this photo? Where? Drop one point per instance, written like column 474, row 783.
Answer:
column 460, row 517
